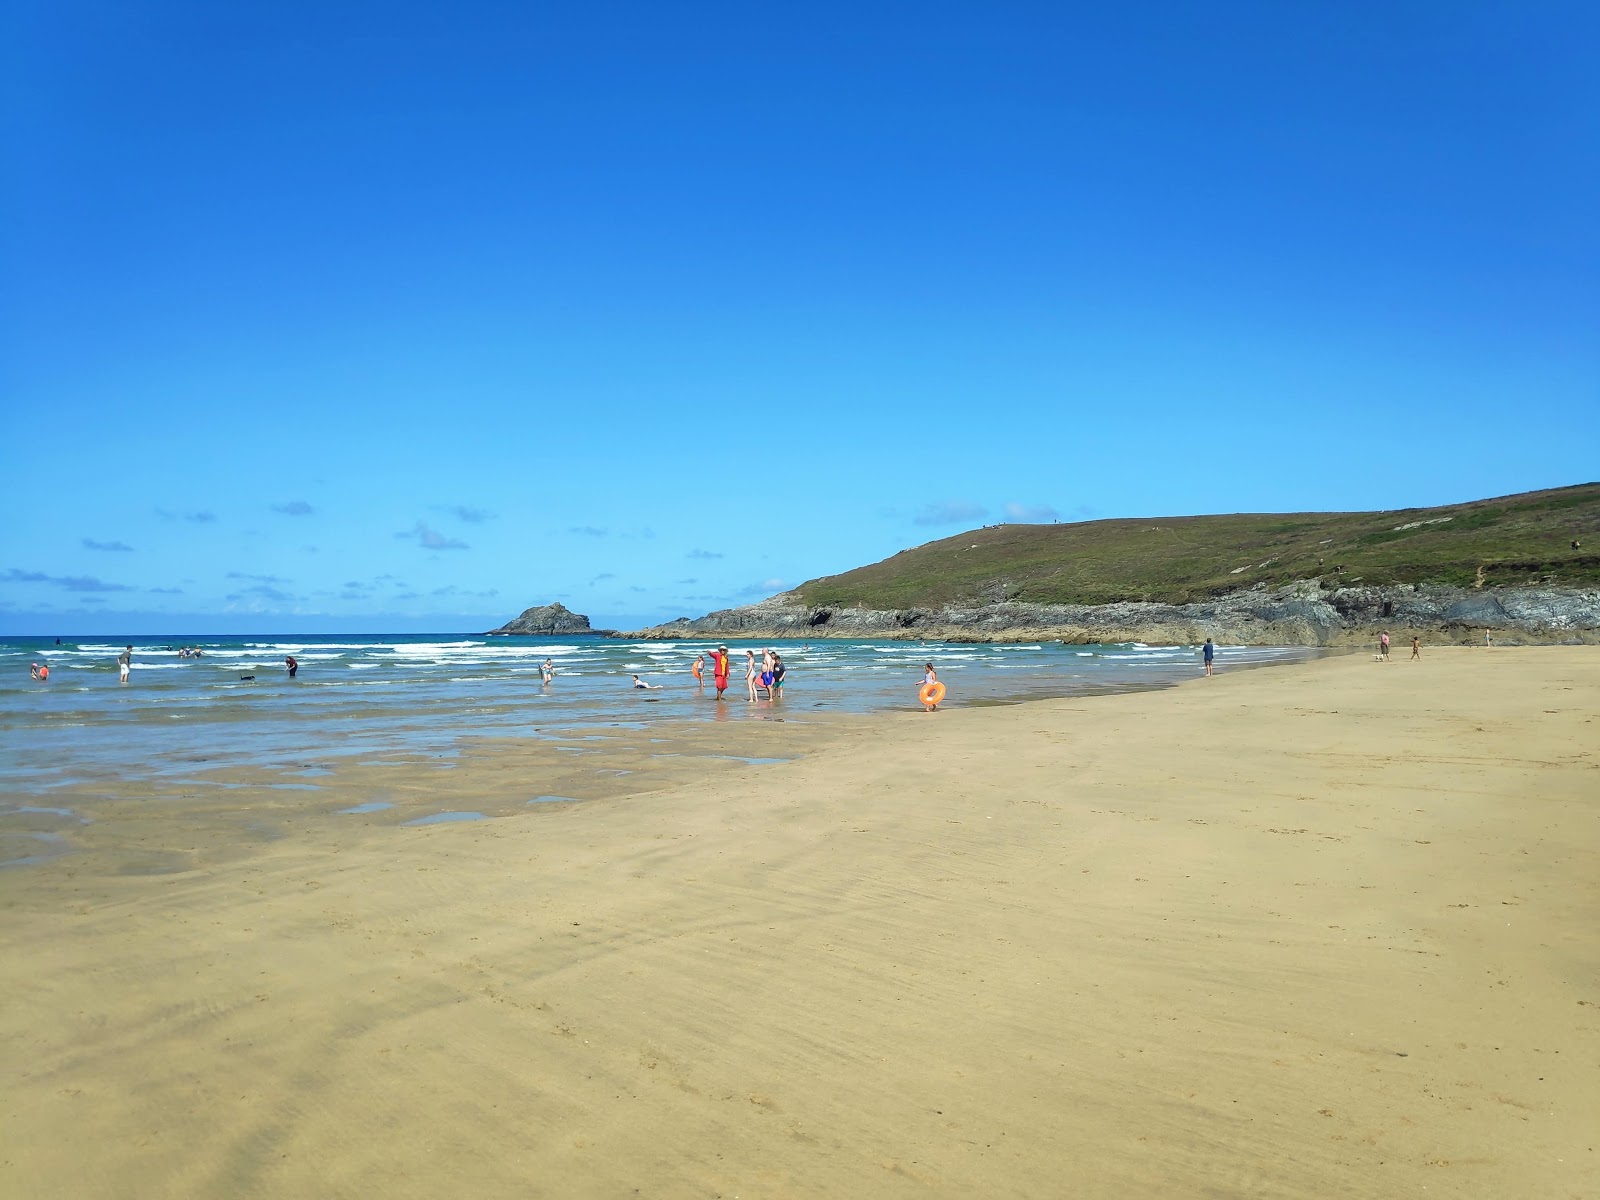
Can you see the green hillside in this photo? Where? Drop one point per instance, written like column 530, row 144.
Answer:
column 1512, row 540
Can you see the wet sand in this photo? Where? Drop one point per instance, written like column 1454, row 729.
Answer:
column 1323, row 929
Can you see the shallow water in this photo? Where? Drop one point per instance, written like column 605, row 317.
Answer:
column 386, row 695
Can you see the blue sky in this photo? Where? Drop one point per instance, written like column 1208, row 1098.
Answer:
column 405, row 317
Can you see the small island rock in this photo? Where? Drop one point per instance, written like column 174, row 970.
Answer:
column 546, row 619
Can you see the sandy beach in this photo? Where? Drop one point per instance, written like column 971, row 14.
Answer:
column 1312, row 930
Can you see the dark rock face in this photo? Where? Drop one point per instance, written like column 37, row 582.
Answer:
column 546, row 619
column 1303, row 614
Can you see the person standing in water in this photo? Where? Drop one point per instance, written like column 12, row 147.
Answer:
column 124, row 664
column 1416, row 647
column 778, row 672
column 289, row 661
column 719, row 670
column 547, row 672
column 751, row 673
column 699, row 671
column 1208, row 652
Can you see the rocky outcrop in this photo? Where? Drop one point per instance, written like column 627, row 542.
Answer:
column 545, row 620
column 1302, row 614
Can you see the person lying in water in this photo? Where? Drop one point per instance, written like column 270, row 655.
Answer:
column 639, row 683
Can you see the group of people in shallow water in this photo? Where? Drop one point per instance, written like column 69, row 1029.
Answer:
column 767, row 675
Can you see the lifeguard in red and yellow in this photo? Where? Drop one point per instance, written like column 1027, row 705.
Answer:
column 719, row 670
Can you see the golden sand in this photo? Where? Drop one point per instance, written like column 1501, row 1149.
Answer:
column 1319, row 930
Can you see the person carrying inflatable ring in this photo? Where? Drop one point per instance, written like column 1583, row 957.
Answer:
column 932, row 691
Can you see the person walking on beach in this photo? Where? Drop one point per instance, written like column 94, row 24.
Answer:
column 1383, row 645
column 930, row 679
column 719, row 670
column 1487, row 640
column 124, row 664
column 699, row 671
column 1416, row 647
column 1208, row 652
column 289, row 661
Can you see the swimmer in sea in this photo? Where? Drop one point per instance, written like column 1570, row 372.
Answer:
column 33, row 670
column 699, row 672
column 44, row 672
column 639, row 683
column 719, row 670
column 548, row 671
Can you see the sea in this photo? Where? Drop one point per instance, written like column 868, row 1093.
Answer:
column 235, row 704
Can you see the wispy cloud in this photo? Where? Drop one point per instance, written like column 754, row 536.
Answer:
column 698, row 553
column 71, row 583
column 452, row 590
column 261, row 591
column 765, row 587
column 586, row 531
column 120, row 547
column 1030, row 512
column 950, row 512
column 165, row 591
column 432, row 539
column 202, row 517
column 601, row 576
column 465, row 512
column 257, row 578
column 294, row 508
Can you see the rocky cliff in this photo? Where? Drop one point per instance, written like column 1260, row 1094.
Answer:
column 1303, row 614
column 545, row 620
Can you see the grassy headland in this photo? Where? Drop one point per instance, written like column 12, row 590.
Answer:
column 1518, row 540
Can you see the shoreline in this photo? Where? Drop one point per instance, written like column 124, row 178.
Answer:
column 1323, row 928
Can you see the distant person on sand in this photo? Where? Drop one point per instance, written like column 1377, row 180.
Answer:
column 547, row 672
column 1383, row 645
column 719, row 670
column 1487, row 640
column 1208, row 652
column 639, row 683
column 289, row 661
column 1416, row 647
column 699, row 671
column 124, row 664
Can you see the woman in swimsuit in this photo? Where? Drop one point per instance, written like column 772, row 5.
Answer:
column 929, row 676
column 751, row 673
column 699, row 671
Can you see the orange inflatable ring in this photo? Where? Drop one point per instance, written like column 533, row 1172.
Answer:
column 931, row 693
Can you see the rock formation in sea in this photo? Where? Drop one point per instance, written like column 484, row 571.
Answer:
column 1302, row 614
column 545, row 620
